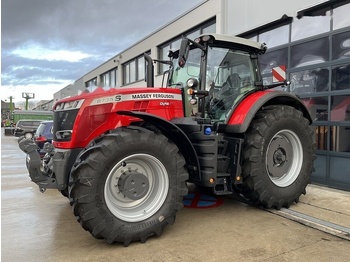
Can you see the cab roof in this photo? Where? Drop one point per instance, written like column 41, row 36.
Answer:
column 226, row 40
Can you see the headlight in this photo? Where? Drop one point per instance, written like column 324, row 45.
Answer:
column 192, row 83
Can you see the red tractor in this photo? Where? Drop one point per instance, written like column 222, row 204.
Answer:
column 124, row 156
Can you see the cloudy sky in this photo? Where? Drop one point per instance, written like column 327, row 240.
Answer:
column 48, row 44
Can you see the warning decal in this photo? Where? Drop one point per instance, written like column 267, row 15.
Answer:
column 279, row 73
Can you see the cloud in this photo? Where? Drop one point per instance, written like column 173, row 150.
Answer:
column 57, row 42
column 37, row 52
column 40, row 91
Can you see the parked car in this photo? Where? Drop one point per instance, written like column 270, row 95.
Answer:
column 42, row 135
column 26, row 128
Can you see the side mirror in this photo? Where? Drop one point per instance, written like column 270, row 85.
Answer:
column 183, row 53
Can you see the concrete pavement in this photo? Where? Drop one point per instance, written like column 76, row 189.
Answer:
column 322, row 208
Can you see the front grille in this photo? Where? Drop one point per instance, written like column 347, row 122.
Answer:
column 63, row 121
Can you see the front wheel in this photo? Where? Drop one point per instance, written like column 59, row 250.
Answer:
column 279, row 151
column 28, row 135
column 129, row 185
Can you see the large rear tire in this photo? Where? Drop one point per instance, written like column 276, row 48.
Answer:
column 128, row 185
column 279, row 151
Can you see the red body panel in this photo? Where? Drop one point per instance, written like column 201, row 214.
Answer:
column 97, row 113
column 244, row 108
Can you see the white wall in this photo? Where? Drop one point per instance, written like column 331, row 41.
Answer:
column 245, row 15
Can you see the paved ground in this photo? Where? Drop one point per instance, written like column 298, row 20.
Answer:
column 41, row 227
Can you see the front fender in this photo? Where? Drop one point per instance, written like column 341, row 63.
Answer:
column 176, row 135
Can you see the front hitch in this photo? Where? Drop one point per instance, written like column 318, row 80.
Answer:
column 34, row 165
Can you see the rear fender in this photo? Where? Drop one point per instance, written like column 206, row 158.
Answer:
column 248, row 107
column 176, row 135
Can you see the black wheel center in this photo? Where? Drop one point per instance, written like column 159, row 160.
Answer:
column 279, row 157
column 133, row 184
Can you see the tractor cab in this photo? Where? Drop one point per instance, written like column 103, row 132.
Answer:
column 215, row 72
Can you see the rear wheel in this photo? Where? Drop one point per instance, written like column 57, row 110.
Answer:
column 279, row 151
column 128, row 186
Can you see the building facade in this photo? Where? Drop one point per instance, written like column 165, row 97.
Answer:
column 44, row 105
column 309, row 38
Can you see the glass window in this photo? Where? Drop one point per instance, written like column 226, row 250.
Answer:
column 163, row 52
column 321, row 133
column 320, row 165
column 309, row 53
column 341, row 46
column 272, row 59
column 340, row 168
column 175, row 45
column 341, row 77
column 341, row 16
column 340, row 108
column 232, row 72
column 92, row 82
column 105, row 79
column 267, row 80
column 275, row 37
column 340, row 141
column 112, row 82
column 127, row 74
column 102, row 80
column 163, row 55
column 209, row 29
column 310, row 25
column 309, row 81
column 318, row 107
column 141, row 68
column 116, row 77
column 110, row 78
column 193, row 35
column 191, row 69
column 132, row 71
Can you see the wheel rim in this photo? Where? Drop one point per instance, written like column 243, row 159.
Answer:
column 149, row 172
column 284, row 158
column 28, row 135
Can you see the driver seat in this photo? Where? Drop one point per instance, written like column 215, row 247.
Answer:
column 233, row 80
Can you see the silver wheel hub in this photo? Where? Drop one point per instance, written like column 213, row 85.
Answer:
column 136, row 187
column 284, row 158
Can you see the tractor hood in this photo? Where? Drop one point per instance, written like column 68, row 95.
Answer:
column 79, row 119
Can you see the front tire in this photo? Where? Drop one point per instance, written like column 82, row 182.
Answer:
column 28, row 135
column 279, row 151
column 128, row 185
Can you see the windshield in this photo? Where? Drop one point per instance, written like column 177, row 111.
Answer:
column 229, row 75
column 191, row 69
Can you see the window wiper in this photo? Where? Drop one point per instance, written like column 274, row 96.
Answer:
column 264, row 87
